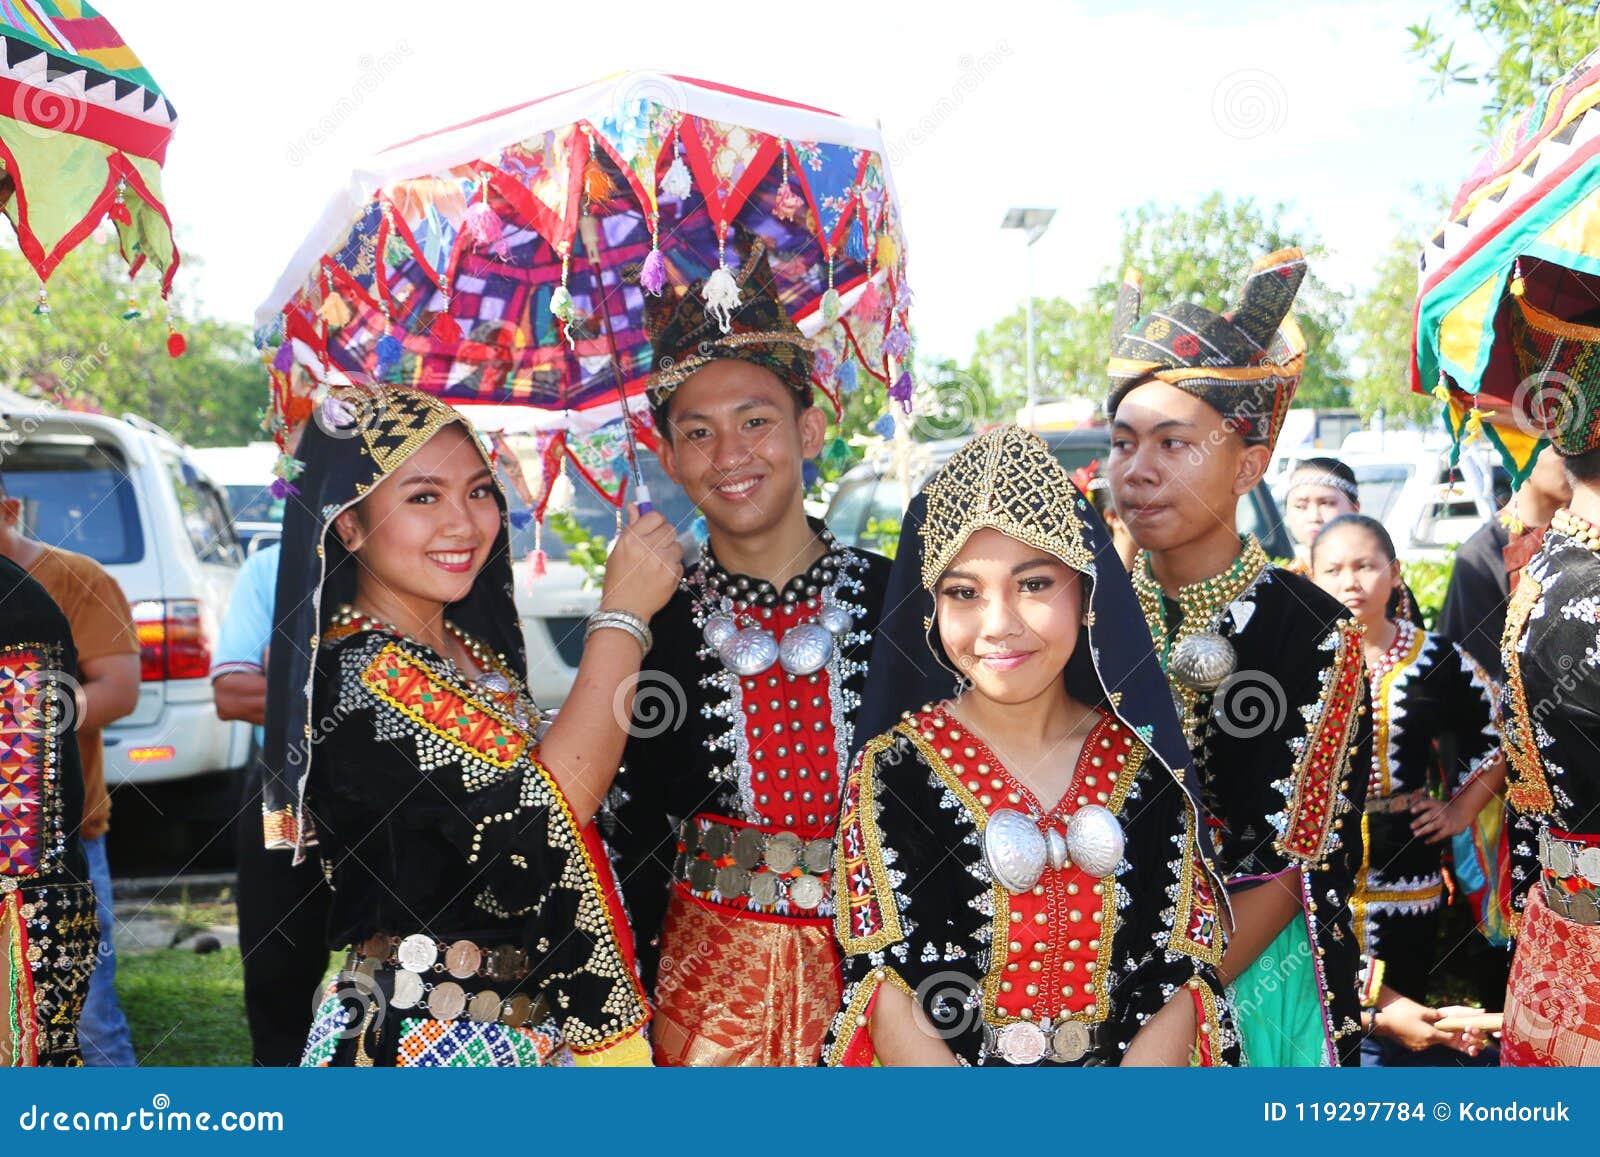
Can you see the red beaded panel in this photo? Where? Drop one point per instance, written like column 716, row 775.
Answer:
column 408, row 685
column 1316, row 779
column 866, row 919
column 1050, row 953
column 788, row 721
column 25, row 688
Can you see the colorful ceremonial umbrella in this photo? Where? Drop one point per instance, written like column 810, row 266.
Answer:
column 508, row 259
column 83, row 134
column 1526, row 220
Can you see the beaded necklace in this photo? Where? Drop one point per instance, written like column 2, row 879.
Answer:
column 1583, row 532
column 1202, row 605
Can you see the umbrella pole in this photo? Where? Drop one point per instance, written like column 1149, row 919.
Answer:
column 590, row 230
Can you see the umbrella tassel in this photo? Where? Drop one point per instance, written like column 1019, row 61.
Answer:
column 561, row 304
column 42, row 309
column 722, row 297
column 653, row 277
column 119, row 206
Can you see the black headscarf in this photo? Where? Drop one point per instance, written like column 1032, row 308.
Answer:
column 1008, row 479
column 358, row 438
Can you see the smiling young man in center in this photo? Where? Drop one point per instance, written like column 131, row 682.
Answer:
column 726, row 810
column 1266, row 669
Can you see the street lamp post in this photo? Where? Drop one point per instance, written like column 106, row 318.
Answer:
column 1032, row 222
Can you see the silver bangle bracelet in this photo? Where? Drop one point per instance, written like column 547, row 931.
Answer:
column 621, row 621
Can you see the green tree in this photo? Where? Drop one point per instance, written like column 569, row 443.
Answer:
column 1381, row 328
column 1530, row 43
column 1198, row 253
column 86, row 354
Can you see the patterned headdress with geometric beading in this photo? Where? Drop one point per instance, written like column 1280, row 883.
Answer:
column 1244, row 364
column 1560, row 362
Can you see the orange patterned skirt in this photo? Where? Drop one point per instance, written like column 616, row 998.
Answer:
column 1553, row 998
column 736, row 989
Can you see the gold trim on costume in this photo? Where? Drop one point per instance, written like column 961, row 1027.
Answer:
column 1528, row 791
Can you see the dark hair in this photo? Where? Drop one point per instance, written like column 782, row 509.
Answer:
column 1583, row 467
column 1363, row 521
column 1326, row 466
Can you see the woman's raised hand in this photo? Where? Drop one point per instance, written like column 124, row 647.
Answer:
column 644, row 567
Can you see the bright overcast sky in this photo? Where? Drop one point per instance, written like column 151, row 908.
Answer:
column 1316, row 104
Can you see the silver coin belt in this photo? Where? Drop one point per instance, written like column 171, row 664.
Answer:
column 777, row 873
column 1572, row 886
column 424, row 977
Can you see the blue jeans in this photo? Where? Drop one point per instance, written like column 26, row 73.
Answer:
column 102, row 1029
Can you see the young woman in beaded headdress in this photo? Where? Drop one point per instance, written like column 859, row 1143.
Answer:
column 1266, row 668
column 1017, row 878
column 1422, row 689
column 469, row 887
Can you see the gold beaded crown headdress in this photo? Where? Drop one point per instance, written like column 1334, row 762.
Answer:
column 1009, row 481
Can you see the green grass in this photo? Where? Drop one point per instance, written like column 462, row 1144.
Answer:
column 185, row 1009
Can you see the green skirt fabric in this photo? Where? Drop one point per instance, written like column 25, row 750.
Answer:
column 1277, row 1005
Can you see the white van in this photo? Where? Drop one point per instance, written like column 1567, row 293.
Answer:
column 131, row 497
column 244, row 473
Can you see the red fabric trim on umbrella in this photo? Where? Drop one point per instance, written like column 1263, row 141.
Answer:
column 96, row 122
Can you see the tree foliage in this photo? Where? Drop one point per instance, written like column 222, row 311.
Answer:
column 87, row 355
column 1530, row 43
column 1197, row 253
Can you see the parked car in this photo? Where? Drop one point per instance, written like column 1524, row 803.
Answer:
column 870, row 500
column 245, row 475
column 132, row 497
column 1407, row 482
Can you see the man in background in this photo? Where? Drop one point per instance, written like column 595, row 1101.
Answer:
column 283, row 909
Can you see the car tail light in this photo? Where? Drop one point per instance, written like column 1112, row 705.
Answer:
column 172, row 640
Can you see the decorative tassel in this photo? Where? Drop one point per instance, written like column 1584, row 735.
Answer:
column 133, row 309
column 176, row 344
column 837, row 453
column 597, row 184
column 335, row 310
column 281, row 489
column 898, row 341
column 653, row 277
column 888, row 251
column 485, row 228
column 119, row 207
column 389, row 350
column 847, row 377
column 445, row 328
column 42, row 309
column 901, row 391
column 539, row 564
column 855, row 245
column 722, row 297
column 676, row 184
column 870, row 303
column 788, row 204
column 810, row 474
column 830, row 306
column 1474, row 425
column 884, row 426
column 283, row 360
column 1518, row 288
column 561, row 304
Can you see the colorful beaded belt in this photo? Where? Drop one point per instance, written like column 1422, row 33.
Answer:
column 1571, row 875
column 777, row 873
